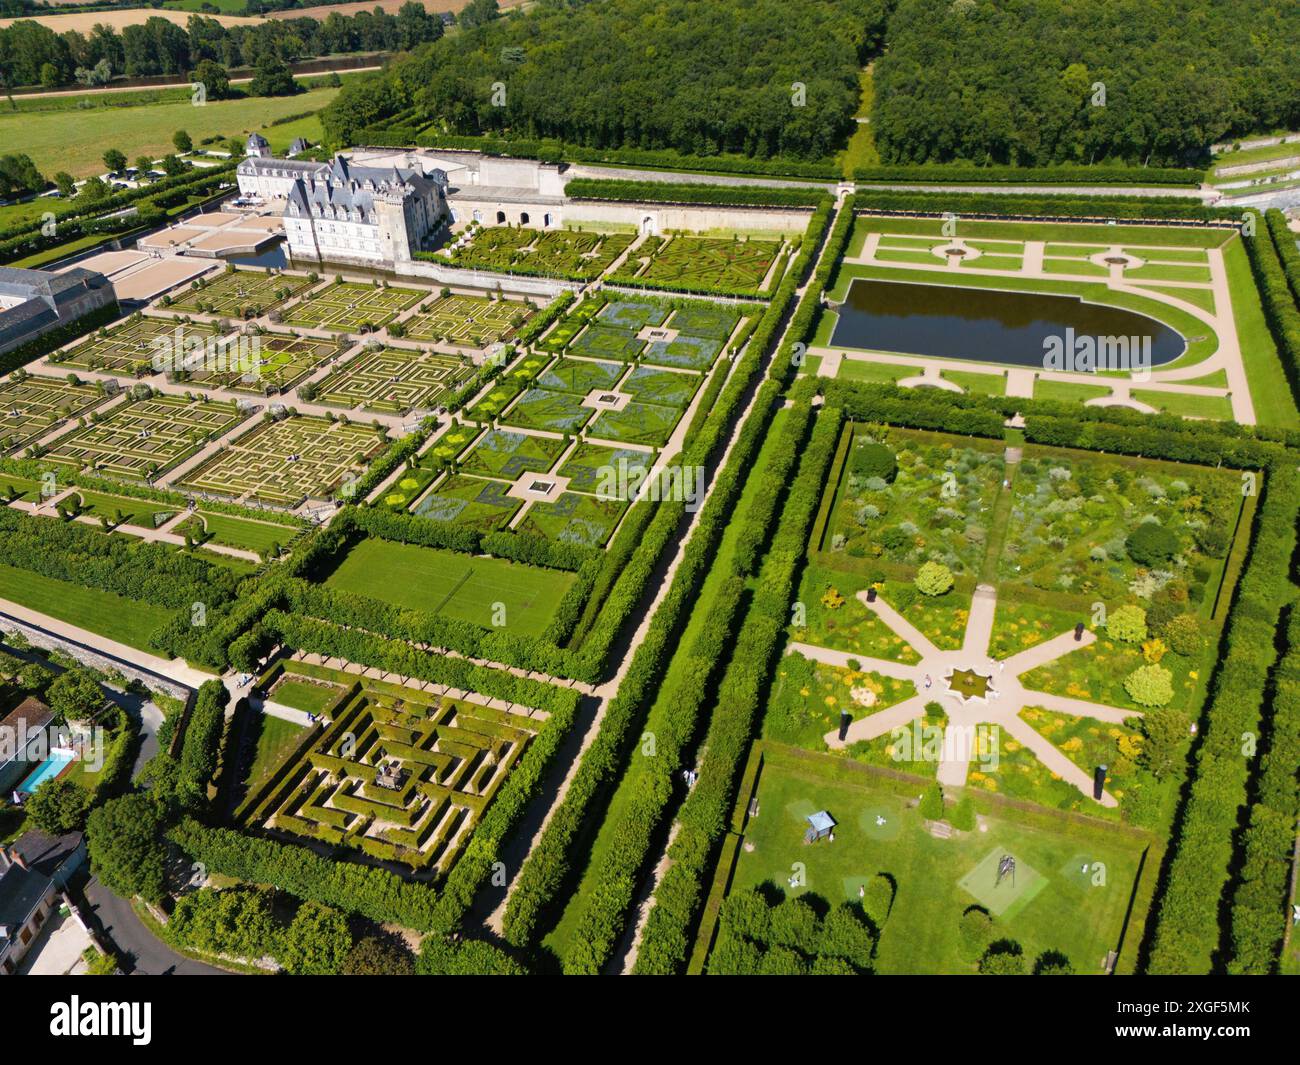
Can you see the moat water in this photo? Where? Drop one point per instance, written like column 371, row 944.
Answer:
column 985, row 325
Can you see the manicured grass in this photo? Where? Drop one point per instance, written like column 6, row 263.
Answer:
column 240, row 532
column 140, row 512
column 1270, row 392
column 302, row 695
column 861, row 370
column 1061, row 232
column 128, row 621
column 979, row 384
column 1068, row 391
column 1189, row 406
column 75, row 140
column 451, row 584
column 1063, row 910
column 276, row 740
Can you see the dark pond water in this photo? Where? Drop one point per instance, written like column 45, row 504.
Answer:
column 272, row 257
column 1017, row 328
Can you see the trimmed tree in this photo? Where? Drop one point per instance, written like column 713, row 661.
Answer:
column 1150, row 685
column 1127, row 624
column 933, row 578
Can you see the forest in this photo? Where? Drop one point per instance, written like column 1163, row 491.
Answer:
column 981, row 82
column 759, row 77
column 1035, row 82
column 33, row 54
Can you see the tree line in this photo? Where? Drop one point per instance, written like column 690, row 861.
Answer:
column 34, row 54
column 1036, row 82
column 759, row 77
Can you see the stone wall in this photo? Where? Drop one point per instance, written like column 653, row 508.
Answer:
column 94, row 659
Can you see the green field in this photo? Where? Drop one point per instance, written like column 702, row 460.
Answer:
column 453, row 585
column 1053, row 903
column 128, row 621
column 245, row 533
column 75, row 140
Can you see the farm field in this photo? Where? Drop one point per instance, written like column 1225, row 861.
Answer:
column 281, row 463
column 75, row 140
column 138, row 440
column 451, row 584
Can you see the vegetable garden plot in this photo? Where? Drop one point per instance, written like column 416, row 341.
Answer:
column 581, row 376
column 633, row 315
column 470, row 501
column 666, row 387
column 509, row 456
column 602, row 342
column 471, row 321
column 556, row 412
column 694, row 353
column 574, row 518
column 637, row 423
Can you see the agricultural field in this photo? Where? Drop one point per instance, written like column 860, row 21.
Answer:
column 141, row 439
column 351, row 307
column 281, row 463
column 393, row 380
column 702, row 264
column 467, row 321
column 237, row 294
column 553, row 253
column 31, row 406
column 412, row 789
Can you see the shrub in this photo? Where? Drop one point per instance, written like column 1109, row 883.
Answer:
column 878, row 899
column 1151, row 544
column 976, row 929
column 1127, row 624
column 963, row 815
column 1150, row 685
column 59, row 806
column 1003, row 958
column 1184, row 636
column 875, row 460
column 933, row 578
column 932, row 803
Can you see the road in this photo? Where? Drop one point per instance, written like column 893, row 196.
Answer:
column 140, row 951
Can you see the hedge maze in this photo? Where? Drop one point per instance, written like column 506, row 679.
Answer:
column 279, row 362
column 239, row 293
column 702, row 263
column 32, row 406
column 351, row 307
column 281, row 463
column 130, row 348
column 402, row 778
column 138, row 440
column 393, row 380
column 469, row 321
column 554, row 253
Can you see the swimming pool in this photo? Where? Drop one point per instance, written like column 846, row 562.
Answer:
column 47, row 770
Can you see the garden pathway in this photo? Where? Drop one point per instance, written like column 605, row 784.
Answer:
column 971, row 721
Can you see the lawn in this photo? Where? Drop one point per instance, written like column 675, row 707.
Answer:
column 303, row 695
column 75, row 140
column 454, row 585
column 245, row 533
column 1269, row 390
column 1053, row 903
column 129, row 621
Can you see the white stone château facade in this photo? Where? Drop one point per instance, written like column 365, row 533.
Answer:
column 345, row 213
